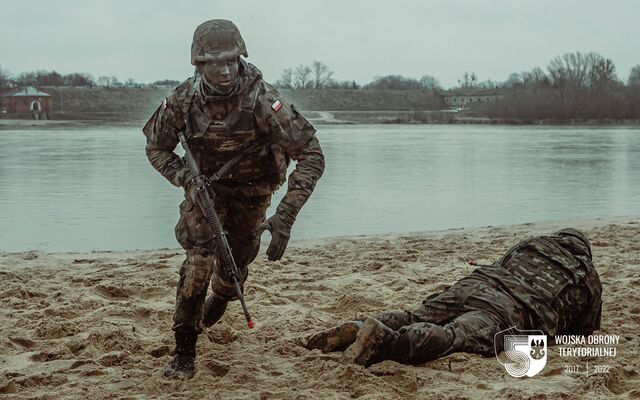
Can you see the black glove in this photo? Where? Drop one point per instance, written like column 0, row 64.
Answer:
column 280, row 233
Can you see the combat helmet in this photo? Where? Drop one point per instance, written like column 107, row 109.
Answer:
column 576, row 234
column 217, row 39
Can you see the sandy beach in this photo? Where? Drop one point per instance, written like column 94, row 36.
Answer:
column 97, row 325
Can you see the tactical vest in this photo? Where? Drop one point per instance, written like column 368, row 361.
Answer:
column 228, row 147
column 544, row 265
column 559, row 286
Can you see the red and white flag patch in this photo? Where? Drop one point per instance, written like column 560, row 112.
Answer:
column 276, row 106
column 163, row 106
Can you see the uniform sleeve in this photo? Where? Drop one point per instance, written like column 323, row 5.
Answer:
column 162, row 138
column 290, row 131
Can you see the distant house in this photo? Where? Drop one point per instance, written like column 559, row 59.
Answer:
column 26, row 100
column 462, row 98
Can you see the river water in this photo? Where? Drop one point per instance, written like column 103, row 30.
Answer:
column 93, row 188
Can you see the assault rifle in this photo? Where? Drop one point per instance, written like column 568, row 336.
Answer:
column 207, row 205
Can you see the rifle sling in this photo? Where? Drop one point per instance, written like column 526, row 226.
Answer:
column 229, row 164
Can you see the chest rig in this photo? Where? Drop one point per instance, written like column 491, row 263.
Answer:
column 224, row 139
column 545, row 265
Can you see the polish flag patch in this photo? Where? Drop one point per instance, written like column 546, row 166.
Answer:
column 164, row 104
column 276, row 106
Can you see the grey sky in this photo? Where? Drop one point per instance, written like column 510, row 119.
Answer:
column 149, row 40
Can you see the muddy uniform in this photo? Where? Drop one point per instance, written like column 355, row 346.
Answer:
column 243, row 141
column 545, row 283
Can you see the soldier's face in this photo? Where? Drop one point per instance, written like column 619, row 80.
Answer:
column 222, row 75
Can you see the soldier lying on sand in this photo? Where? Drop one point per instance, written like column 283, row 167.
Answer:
column 545, row 283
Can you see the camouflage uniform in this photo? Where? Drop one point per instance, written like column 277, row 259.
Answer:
column 547, row 283
column 243, row 141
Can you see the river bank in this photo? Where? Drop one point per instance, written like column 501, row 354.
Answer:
column 319, row 118
column 96, row 325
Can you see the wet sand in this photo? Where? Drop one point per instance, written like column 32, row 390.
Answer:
column 97, row 325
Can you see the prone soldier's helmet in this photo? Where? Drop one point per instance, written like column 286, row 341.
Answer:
column 576, row 234
column 217, row 39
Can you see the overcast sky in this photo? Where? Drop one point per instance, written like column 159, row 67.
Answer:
column 148, row 40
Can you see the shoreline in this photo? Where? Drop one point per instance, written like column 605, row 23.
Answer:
column 98, row 324
column 327, row 118
column 536, row 228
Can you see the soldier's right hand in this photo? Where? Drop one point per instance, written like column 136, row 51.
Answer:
column 192, row 190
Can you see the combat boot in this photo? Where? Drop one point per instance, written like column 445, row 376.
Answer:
column 214, row 309
column 371, row 344
column 183, row 364
column 337, row 338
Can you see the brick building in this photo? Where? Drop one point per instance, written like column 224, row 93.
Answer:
column 28, row 100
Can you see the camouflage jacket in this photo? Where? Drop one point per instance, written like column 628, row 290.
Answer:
column 554, row 277
column 254, row 130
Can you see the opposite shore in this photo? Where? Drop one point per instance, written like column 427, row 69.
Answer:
column 330, row 106
column 322, row 118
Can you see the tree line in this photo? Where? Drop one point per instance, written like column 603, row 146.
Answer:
column 318, row 75
column 76, row 79
column 574, row 86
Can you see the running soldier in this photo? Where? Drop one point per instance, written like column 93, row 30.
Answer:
column 242, row 134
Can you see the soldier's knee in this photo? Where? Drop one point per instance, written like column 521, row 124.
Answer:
column 223, row 286
column 196, row 271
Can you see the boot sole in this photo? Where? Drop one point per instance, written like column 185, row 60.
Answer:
column 335, row 339
column 367, row 345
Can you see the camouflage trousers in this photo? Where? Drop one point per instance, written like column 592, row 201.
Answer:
column 241, row 218
column 464, row 317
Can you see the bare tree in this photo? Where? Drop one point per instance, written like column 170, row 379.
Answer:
column 468, row 80
column 580, row 71
column 27, row 79
column 488, row 84
column 166, row 82
column 103, row 81
column 302, row 75
column 5, row 78
column 114, row 82
column 602, row 71
column 428, row 82
column 573, row 74
column 321, row 74
column 514, row 81
column 286, row 79
column 634, row 76
column 79, row 79
column 536, row 78
column 394, row 82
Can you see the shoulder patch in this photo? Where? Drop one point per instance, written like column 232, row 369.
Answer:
column 163, row 106
column 276, row 106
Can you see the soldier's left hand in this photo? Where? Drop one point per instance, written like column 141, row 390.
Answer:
column 280, row 233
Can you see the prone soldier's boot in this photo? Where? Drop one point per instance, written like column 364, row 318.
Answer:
column 214, row 309
column 183, row 364
column 337, row 338
column 370, row 345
